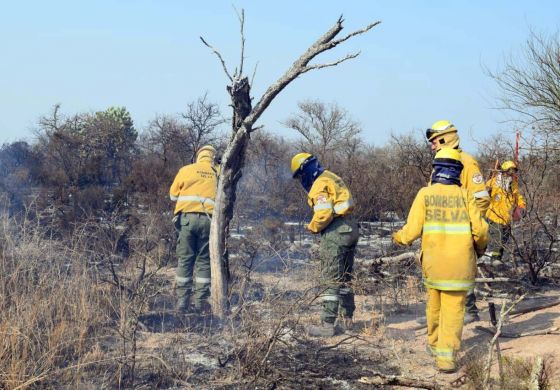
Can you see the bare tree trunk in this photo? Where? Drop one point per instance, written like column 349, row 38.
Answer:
column 230, row 173
column 244, row 117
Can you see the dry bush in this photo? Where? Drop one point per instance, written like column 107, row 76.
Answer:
column 53, row 315
column 518, row 372
column 71, row 307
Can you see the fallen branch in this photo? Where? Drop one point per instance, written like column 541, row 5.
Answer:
column 509, row 335
column 384, row 379
column 496, row 280
column 344, row 340
column 391, row 259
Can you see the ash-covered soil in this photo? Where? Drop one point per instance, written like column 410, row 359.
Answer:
column 263, row 344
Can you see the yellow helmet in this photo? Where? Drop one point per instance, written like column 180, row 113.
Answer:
column 507, row 165
column 207, row 151
column 448, row 154
column 298, row 161
column 440, row 128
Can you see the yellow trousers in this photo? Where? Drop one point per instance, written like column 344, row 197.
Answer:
column 445, row 311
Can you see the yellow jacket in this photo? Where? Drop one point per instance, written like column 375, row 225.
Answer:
column 453, row 232
column 473, row 181
column 329, row 197
column 504, row 198
column 194, row 188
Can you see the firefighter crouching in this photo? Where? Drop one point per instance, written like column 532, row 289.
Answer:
column 506, row 205
column 194, row 189
column 453, row 233
column 332, row 204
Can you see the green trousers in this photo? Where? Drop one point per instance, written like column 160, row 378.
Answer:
column 193, row 257
column 337, row 249
column 498, row 237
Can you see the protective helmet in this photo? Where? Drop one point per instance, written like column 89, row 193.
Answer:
column 440, row 128
column 207, row 151
column 448, row 156
column 507, row 165
column 299, row 161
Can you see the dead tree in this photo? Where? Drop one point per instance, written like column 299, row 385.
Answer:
column 244, row 118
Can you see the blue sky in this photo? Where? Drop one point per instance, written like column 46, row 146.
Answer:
column 423, row 63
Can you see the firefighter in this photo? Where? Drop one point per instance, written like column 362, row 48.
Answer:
column 443, row 134
column 453, row 233
column 332, row 205
column 194, row 189
column 506, row 205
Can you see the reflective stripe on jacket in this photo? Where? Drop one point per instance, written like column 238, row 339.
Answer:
column 503, row 201
column 473, row 181
column 194, row 188
column 328, row 197
column 452, row 231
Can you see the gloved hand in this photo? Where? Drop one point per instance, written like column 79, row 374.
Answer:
column 518, row 213
column 480, row 251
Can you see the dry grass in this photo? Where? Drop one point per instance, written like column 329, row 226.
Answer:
column 52, row 312
column 70, row 307
column 517, row 373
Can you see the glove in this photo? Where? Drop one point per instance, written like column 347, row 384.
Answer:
column 479, row 251
column 518, row 213
column 395, row 237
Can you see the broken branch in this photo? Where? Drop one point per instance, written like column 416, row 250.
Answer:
column 509, row 335
column 330, row 64
column 219, row 57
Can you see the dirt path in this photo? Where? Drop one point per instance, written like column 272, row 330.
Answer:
column 403, row 330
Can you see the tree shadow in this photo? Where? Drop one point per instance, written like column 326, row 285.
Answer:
column 540, row 321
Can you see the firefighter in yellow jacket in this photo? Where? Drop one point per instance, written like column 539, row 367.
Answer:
column 194, row 189
column 332, row 205
column 506, row 203
column 453, row 233
column 443, row 134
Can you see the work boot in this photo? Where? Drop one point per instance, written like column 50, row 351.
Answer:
column 203, row 308
column 447, row 367
column 470, row 317
column 323, row 330
column 344, row 324
column 183, row 305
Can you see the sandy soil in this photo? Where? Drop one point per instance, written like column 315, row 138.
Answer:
column 403, row 329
